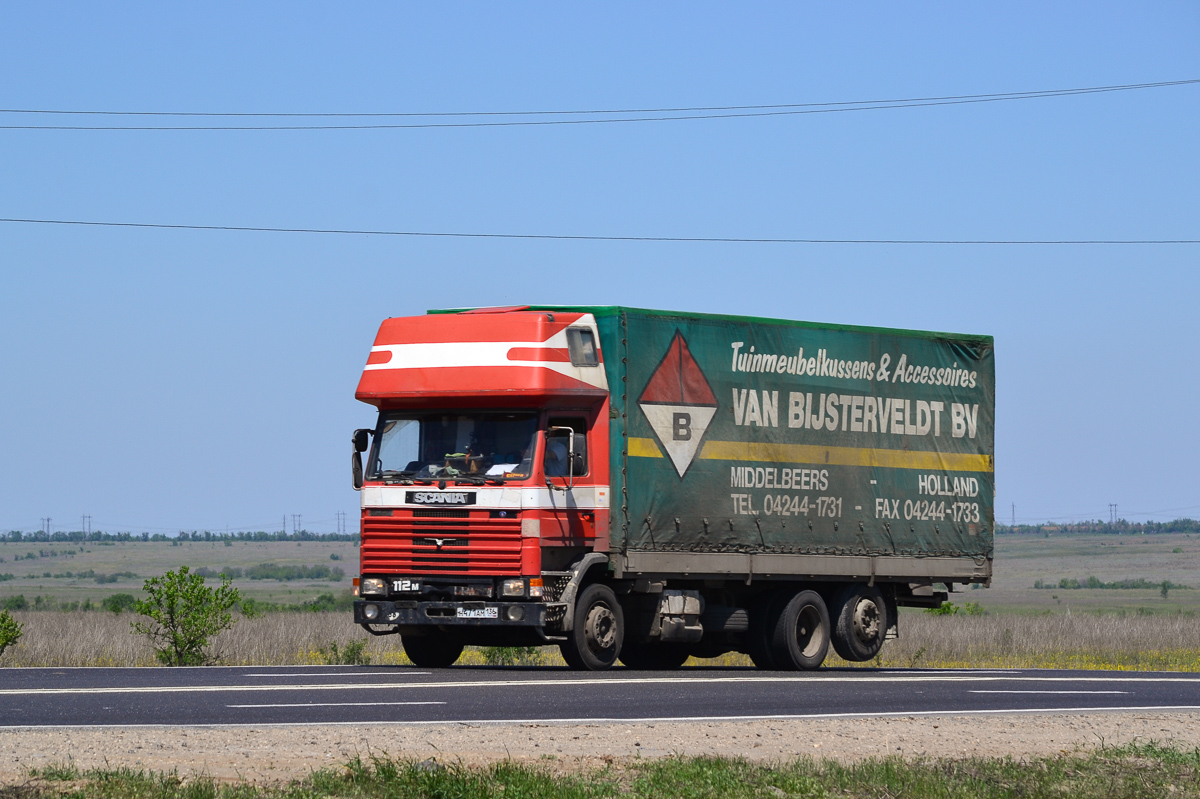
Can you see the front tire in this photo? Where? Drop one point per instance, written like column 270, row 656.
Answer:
column 595, row 642
column 431, row 651
column 801, row 635
column 861, row 623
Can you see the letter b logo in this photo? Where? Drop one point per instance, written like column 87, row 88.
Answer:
column 681, row 426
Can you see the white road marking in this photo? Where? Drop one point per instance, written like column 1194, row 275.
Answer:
column 611, row 682
column 1048, row 692
column 342, row 704
column 643, row 719
column 346, row 674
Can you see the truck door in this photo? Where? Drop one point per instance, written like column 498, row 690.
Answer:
column 571, row 517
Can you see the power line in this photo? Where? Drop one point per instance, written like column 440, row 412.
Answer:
column 676, row 114
column 560, row 237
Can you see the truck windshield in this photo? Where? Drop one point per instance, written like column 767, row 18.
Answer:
column 447, row 446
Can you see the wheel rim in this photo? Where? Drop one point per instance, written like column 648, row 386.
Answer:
column 808, row 631
column 866, row 621
column 600, row 630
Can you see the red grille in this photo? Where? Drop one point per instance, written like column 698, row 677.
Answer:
column 471, row 543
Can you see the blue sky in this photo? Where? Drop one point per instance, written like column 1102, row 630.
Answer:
column 162, row 380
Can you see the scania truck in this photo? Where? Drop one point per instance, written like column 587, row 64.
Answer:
column 642, row 486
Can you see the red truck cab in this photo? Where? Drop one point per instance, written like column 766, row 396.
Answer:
column 486, row 476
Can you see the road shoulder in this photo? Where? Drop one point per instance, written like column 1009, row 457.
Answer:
column 276, row 753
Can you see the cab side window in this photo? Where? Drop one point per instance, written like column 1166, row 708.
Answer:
column 558, row 446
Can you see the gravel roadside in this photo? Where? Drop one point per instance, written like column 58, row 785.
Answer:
column 276, row 753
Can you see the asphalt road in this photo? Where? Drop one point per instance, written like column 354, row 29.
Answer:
column 354, row 695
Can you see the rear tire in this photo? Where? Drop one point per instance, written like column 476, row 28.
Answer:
column 653, row 656
column 801, row 633
column 595, row 642
column 861, row 622
column 431, row 651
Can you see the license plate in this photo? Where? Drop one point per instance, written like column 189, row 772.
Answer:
column 477, row 613
column 406, row 586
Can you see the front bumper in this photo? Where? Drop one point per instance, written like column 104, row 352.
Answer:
column 411, row 613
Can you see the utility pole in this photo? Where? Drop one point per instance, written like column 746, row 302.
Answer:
column 295, row 523
column 46, row 525
column 1112, row 513
column 285, row 524
column 1014, row 514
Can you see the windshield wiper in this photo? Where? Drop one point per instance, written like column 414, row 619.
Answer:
column 468, row 481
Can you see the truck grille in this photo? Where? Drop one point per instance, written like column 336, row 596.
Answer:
column 441, row 541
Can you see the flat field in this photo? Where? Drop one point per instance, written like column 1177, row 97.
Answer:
column 1021, row 561
column 45, row 574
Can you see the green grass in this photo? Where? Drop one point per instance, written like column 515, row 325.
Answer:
column 1143, row 771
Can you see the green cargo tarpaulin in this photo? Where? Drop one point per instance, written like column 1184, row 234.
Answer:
column 758, row 435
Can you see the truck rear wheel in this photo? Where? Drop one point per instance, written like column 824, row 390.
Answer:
column 595, row 641
column 653, row 656
column 431, row 651
column 861, row 623
column 801, row 633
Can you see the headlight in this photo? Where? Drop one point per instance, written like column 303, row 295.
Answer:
column 512, row 588
column 371, row 612
column 370, row 585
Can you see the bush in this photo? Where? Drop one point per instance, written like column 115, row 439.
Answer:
column 10, row 631
column 945, row 609
column 271, row 571
column 354, row 654
column 119, row 603
column 322, row 604
column 184, row 613
column 511, row 655
column 18, row 602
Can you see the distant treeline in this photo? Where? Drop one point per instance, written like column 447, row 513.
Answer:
column 124, row 603
column 271, row 571
column 1120, row 527
column 78, row 536
column 1138, row 583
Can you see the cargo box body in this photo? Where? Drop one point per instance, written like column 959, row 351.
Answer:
column 757, row 446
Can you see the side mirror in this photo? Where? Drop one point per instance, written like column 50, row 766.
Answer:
column 360, row 440
column 555, row 430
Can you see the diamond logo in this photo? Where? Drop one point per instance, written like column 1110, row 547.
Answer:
column 679, row 404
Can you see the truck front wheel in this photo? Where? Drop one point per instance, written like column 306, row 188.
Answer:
column 861, row 623
column 801, row 634
column 594, row 643
column 431, row 651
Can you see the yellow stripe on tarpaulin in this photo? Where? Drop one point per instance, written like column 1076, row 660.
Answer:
column 818, row 455
column 643, row 448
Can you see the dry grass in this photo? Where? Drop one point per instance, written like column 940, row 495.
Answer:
column 1078, row 641
column 105, row 639
column 1128, row 642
